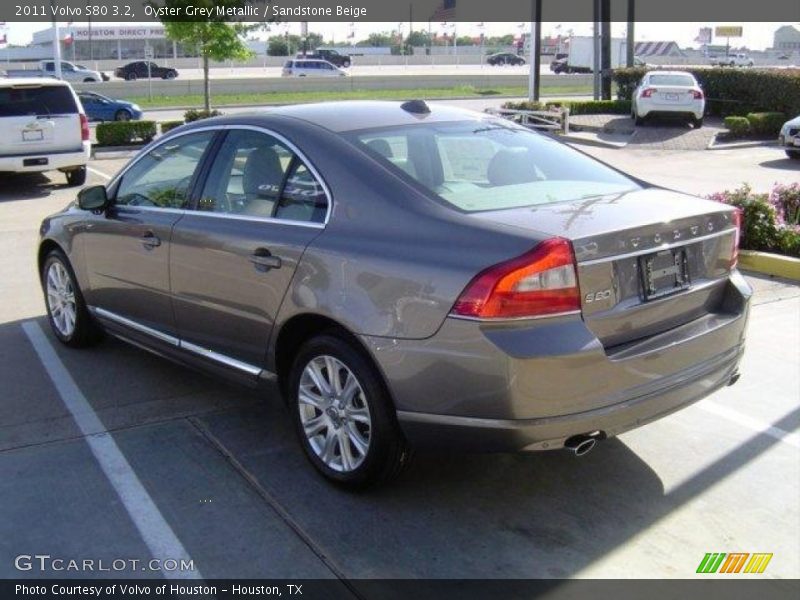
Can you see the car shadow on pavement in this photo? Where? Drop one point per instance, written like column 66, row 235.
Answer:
column 784, row 164
column 27, row 186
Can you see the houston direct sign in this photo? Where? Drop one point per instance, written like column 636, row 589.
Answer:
column 122, row 32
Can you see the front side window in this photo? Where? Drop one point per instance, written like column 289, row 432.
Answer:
column 257, row 175
column 491, row 164
column 162, row 177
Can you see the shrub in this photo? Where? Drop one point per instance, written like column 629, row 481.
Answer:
column 121, row 133
column 737, row 127
column 194, row 114
column 589, row 107
column 169, row 125
column 788, row 241
column 786, row 200
column 760, row 230
column 733, row 91
column 766, row 123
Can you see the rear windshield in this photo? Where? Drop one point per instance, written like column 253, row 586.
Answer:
column 490, row 165
column 43, row 100
column 683, row 80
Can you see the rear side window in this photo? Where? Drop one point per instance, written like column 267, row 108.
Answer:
column 42, row 100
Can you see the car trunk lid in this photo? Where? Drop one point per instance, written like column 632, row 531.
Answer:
column 647, row 260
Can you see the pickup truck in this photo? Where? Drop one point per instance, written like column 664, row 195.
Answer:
column 69, row 72
column 734, row 60
column 331, row 55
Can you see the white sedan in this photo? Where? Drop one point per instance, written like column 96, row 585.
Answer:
column 668, row 93
column 790, row 138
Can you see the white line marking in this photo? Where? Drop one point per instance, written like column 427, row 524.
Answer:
column 100, row 173
column 155, row 531
column 779, row 434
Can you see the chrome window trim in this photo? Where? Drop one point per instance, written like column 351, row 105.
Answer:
column 111, row 316
column 658, row 248
column 223, row 359
column 231, row 127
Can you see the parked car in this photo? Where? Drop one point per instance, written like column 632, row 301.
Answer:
column 69, row 72
column 790, row 138
column 408, row 275
column 103, row 108
column 44, row 128
column 504, row 58
column 735, row 60
column 302, row 67
column 668, row 94
column 139, row 70
column 331, row 55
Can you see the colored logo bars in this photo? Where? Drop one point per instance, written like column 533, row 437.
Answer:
column 734, row 562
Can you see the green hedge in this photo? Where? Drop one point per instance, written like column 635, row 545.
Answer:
column 589, row 107
column 766, row 123
column 121, row 133
column 738, row 127
column 194, row 114
column 169, row 125
column 733, row 91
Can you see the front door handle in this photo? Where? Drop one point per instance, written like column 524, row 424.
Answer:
column 264, row 260
column 150, row 240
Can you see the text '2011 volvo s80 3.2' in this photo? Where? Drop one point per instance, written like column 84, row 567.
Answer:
column 408, row 276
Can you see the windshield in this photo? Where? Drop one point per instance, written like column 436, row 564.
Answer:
column 491, row 165
column 683, row 80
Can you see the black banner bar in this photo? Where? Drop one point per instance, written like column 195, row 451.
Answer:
column 132, row 11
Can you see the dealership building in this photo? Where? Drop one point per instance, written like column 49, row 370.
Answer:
column 98, row 42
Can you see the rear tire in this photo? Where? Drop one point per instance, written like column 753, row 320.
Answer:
column 697, row 123
column 346, row 64
column 130, row 77
column 346, row 422
column 76, row 177
column 69, row 318
column 794, row 154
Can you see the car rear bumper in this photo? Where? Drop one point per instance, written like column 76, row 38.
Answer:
column 34, row 162
column 651, row 109
column 532, row 386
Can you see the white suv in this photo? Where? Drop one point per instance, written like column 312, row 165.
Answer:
column 311, row 67
column 43, row 128
column 668, row 93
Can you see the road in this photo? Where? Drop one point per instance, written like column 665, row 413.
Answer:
column 219, row 463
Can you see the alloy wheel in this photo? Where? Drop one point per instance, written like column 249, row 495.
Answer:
column 61, row 299
column 334, row 413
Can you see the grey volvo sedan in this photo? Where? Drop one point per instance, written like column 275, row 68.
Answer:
column 409, row 276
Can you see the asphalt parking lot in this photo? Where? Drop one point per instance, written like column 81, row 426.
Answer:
column 221, row 479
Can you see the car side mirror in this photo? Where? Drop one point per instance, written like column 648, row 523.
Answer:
column 93, row 198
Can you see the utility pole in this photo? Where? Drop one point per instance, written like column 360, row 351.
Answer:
column 56, row 44
column 631, row 43
column 535, row 50
column 605, row 56
column 597, row 49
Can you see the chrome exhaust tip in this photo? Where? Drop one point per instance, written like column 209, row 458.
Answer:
column 580, row 444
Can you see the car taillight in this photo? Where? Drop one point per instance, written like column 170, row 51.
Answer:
column 737, row 236
column 697, row 94
column 540, row 282
column 647, row 93
column 85, row 134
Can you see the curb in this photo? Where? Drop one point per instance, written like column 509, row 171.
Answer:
column 592, row 141
column 770, row 264
column 713, row 145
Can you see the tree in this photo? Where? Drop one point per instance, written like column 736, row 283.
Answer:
column 277, row 46
column 219, row 37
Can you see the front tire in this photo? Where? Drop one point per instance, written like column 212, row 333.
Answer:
column 66, row 310
column 76, row 177
column 122, row 115
column 343, row 414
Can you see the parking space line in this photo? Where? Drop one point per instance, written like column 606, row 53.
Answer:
column 734, row 416
column 154, row 529
column 99, row 173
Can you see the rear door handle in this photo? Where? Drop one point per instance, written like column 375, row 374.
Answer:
column 150, row 240
column 264, row 260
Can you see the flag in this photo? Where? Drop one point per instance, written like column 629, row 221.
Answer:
column 68, row 39
column 445, row 12
column 3, row 40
